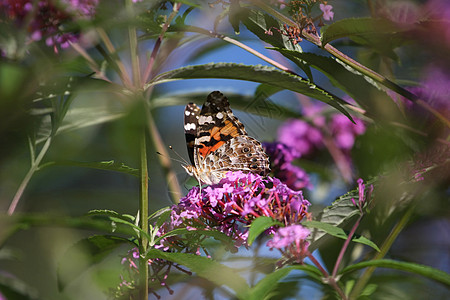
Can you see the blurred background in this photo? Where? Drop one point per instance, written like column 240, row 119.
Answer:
column 101, row 127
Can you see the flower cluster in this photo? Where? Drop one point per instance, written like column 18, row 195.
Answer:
column 281, row 157
column 233, row 204
column 45, row 19
column 228, row 207
column 308, row 137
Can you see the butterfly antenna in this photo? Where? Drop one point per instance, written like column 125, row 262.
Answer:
column 182, row 161
column 181, row 157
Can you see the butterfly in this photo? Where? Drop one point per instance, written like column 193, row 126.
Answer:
column 218, row 143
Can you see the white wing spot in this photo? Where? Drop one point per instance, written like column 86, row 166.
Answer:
column 204, row 120
column 219, row 115
column 187, row 113
column 189, row 126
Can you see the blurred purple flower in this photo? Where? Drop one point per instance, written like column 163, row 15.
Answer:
column 288, row 235
column 44, row 19
column 434, row 89
column 344, row 131
column 302, row 137
column 291, row 241
column 327, row 13
column 305, row 138
column 281, row 157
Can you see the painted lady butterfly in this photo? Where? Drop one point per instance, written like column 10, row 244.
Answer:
column 217, row 142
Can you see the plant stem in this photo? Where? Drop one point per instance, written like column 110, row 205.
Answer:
column 143, row 219
column 344, row 247
column 151, row 62
column 365, row 277
column 330, row 280
column 34, row 167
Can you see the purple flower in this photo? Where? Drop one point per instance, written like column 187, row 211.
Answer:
column 281, row 157
column 327, row 13
column 232, row 205
column 291, row 241
column 44, row 19
column 363, row 195
column 344, row 131
column 302, row 137
column 288, row 235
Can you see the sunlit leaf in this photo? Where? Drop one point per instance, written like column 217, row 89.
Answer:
column 255, row 73
column 258, row 226
column 339, row 233
column 257, row 105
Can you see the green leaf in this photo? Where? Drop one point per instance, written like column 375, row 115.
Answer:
column 426, row 271
column 338, row 214
column 220, row 236
column 359, row 27
column 256, row 73
column 258, row 226
column 260, row 24
column 162, row 215
column 208, row 269
column 339, row 233
column 257, row 105
column 270, row 281
column 365, row 91
column 85, row 254
column 102, row 165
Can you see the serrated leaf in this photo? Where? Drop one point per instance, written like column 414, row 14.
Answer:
column 337, row 214
column 208, row 269
column 102, row 165
column 255, row 73
column 258, row 226
column 85, row 254
column 339, row 233
column 426, row 271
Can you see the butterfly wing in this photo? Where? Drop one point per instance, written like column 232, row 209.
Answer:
column 191, row 116
column 222, row 143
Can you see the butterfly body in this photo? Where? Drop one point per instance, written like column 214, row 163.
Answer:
column 218, row 143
